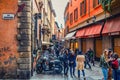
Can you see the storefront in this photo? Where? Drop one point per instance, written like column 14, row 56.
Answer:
column 98, row 47
column 117, row 45
column 69, row 40
column 89, row 38
column 73, row 44
column 83, row 45
column 80, row 39
column 112, row 31
column 107, row 42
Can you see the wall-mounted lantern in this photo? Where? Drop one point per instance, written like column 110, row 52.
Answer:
column 94, row 18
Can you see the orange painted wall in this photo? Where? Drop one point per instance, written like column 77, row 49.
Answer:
column 89, row 6
column 8, row 32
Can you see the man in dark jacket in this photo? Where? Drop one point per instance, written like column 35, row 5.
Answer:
column 87, row 60
column 72, row 64
column 66, row 62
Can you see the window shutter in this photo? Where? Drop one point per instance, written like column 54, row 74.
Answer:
column 84, row 6
column 80, row 9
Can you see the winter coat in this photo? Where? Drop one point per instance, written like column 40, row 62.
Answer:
column 66, row 59
column 103, row 63
column 72, row 60
column 119, row 63
column 80, row 62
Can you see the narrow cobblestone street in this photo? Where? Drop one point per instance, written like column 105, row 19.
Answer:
column 94, row 74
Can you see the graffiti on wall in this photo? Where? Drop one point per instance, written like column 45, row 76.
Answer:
column 5, row 49
column 10, row 60
column 7, row 61
column 9, row 57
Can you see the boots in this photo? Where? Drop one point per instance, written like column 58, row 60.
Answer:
column 84, row 78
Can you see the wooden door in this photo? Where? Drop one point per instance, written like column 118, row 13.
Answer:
column 98, row 47
column 117, row 46
column 84, row 46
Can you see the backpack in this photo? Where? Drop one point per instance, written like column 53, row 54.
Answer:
column 115, row 64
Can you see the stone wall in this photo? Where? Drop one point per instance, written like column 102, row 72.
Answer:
column 24, row 41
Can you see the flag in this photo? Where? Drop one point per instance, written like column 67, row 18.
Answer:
column 21, row 7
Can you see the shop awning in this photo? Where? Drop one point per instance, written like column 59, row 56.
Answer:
column 93, row 31
column 80, row 33
column 70, row 35
column 112, row 26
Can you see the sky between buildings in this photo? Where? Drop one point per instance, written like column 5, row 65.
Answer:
column 59, row 6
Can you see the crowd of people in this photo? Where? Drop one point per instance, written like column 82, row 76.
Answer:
column 110, row 65
column 77, row 61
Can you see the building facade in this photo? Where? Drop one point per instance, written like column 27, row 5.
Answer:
column 22, row 34
column 15, row 39
column 87, row 21
column 48, row 19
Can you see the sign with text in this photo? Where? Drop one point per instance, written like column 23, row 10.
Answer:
column 8, row 16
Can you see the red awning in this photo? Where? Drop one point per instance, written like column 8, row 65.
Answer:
column 112, row 26
column 90, row 31
column 80, row 33
column 93, row 31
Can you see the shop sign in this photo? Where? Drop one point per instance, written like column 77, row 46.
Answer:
column 8, row 16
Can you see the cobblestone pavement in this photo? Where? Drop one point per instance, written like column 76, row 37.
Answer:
column 94, row 74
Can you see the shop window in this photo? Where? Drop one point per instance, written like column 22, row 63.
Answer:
column 96, row 3
column 76, row 14
column 71, row 18
column 83, row 8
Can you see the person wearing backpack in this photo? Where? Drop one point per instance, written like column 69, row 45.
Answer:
column 115, row 66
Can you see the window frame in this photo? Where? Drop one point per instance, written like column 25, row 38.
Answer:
column 96, row 3
column 83, row 8
column 76, row 14
column 71, row 18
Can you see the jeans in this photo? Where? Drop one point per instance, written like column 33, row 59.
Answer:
column 66, row 67
column 114, row 71
column 83, row 72
column 118, row 73
column 105, row 73
column 72, row 70
column 87, row 63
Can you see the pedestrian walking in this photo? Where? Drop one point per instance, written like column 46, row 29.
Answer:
column 66, row 62
column 87, row 60
column 76, row 51
column 92, row 56
column 104, row 64
column 72, row 64
column 110, row 56
column 118, row 71
column 80, row 64
column 115, row 66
